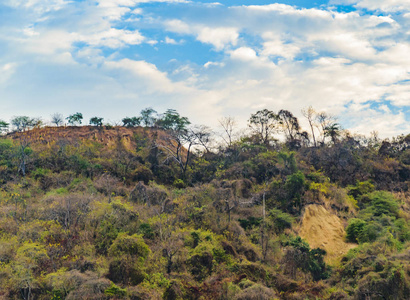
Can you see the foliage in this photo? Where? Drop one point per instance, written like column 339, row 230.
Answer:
column 97, row 121
column 75, row 119
column 131, row 121
column 354, row 229
column 114, row 290
column 161, row 211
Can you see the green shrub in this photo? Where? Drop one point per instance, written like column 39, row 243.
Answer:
column 114, row 290
column 383, row 203
column 133, row 245
column 370, row 232
column 354, row 229
column 281, row 220
column 250, row 222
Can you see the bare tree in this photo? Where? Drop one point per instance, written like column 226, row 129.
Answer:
column 57, row 119
column 228, row 125
column 310, row 114
column 178, row 145
column 203, row 135
column 22, row 154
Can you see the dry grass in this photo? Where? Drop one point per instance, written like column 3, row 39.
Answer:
column 322, row 229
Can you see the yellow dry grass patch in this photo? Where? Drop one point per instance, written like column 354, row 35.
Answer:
column 323, row 229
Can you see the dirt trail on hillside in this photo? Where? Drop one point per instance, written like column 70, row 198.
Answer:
column 322, row 229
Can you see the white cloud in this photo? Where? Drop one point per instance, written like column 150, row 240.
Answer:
column 377, row 5
column 219, row 37
column 148, row 76
column 168, row 40
column 274, row 56
column 38, row 6
column 276, row 47
column 244, row 54
column 113, row 38
column 212, row 63
column 386, row 123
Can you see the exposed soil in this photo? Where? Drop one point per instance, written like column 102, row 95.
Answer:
column 110, row 137
column 323, row 229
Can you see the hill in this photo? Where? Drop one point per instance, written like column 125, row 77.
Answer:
column 134, row 213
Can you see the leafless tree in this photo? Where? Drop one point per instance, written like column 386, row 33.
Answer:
column 310, row 114
column 57, row 119
column 228, row 125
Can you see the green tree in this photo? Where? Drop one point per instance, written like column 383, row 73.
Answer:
column 290, row 124
column 131, row 121
column 75, row 119
column 179, row 135
column 262, row 124
column 96, row 121
column 4, row 126
column 21, row 123
column 147, row 117
column 171, row 120
column 295, row 186
column 333, row 131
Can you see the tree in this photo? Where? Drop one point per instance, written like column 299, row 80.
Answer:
column 22, row 155
column 131, row 122
column 263, row 123
column 147, row 117
column 290, row 124
column 203, row 134
column 310, row 114
column 295, row 186
column 228, row 124
column 180, row 135
column 332, row 131
column 21, row 123
column 325, row 120
column 171, row 120
column 96, row 121
column 4, row 126
column 57, row 119
column 291, row 128
column 75, row 119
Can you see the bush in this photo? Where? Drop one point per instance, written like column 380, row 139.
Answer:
column 354, row 229
column 281, row 220
column 383, row 203
column 133, row 245
column 370, row 232
column 114, row 290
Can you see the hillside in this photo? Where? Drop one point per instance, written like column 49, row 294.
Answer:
column 134, row 213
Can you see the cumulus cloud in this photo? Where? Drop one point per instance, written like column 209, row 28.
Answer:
column 219, row 37
column 229, row 60
column 147, row 74
column 377, row 5
column 38, row 6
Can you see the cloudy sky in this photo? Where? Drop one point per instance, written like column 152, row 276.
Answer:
column 112, row 58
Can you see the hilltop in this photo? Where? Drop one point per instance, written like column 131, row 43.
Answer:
column 110, row 212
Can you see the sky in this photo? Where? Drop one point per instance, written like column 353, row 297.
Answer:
column 208, row 60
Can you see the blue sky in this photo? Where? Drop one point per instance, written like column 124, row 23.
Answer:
column 112, row 58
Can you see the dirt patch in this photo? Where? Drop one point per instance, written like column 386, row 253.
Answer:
column 322, row 229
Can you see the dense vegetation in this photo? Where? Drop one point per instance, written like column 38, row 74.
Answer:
column 156, row 209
